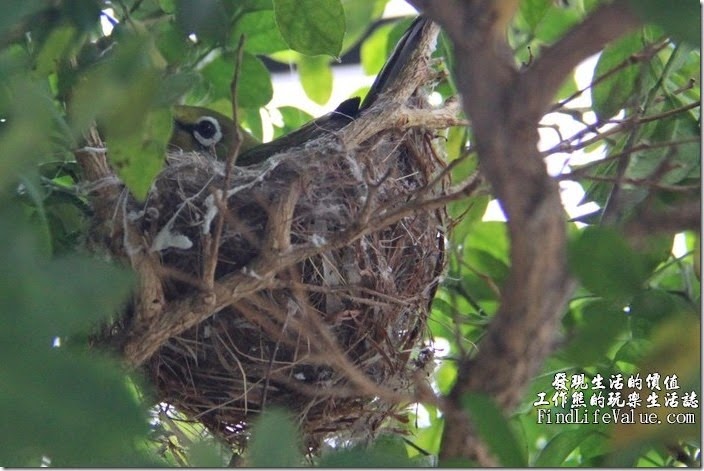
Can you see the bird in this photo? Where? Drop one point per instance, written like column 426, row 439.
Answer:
column 201, row 129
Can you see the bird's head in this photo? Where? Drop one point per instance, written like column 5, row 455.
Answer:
column 203, row 130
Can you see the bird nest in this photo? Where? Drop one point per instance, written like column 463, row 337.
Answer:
column 303, row 282
column 329, row 331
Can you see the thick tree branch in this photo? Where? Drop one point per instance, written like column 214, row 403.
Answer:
column 108, row 198
column 687, row 216
column 505, row 107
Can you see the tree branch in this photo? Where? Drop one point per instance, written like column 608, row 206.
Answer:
column 212, row 243
column 687, row 216
column 505, row 107
column 543, row 79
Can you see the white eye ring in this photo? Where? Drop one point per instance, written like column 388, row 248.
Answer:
column 207, row 131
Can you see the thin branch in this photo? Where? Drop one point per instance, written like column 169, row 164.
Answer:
column 645, row 183
column 620, row 126
column 607, row 23
column 645, row 55
column 211, row 247
column 614, row 205
column 582, row 171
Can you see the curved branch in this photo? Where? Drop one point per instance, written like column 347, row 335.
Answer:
column 505, row 107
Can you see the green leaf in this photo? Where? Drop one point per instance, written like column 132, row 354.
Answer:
column 101, row 288
column 120, row 91
column 311, row 26
column 88, row 413
column 377, row 48
column 632, row 351
column 373, row 52
column 606, row 264
column 652, row 306
column 42, row 395
column 46, row 288
column 293, row 118
column 567, row 89
column 471, row 210
column 247, row 6
column 167, row 6
column 275, row 441
column 84, row 14
column 446, row 376
column 218, row 75
column 603, row 323
column 682, row 160
column 561, row 446
column 205, row 454
column 316, row 78
column 171, row 42
column 262, row 35
column 533, row 12
column 675, row 349
column 27, row 111
column 428, row 438
column 485, row 264
column 494, row 429
column 555, row 23
column 680, row 19
column 611, row 94
column 385, row 452
column 490, row 237
column 469, row 213
column 174, row 86
column 358, row 16
column 14, row 11
column 207, row 19
column 251, row 120
column 254, row 88
column 36, row 196
column 139, row 157
column 54, row 49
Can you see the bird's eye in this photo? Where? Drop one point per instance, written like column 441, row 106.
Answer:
column 207, row 131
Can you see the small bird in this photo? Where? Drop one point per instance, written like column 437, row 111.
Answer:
column 198, row 128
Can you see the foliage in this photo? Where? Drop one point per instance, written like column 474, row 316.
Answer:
column 636, row 310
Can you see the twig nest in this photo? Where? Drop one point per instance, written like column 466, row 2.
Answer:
column 333, row 336
column 304, row 281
